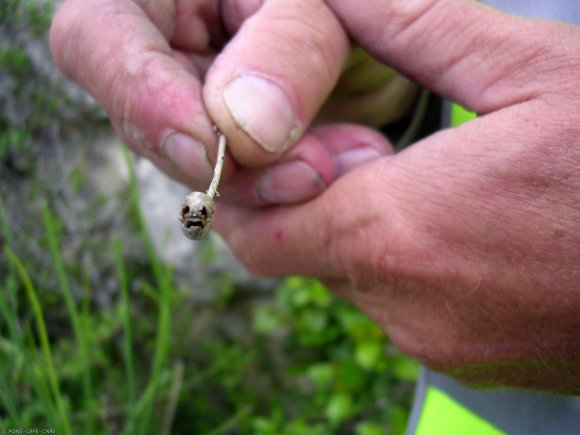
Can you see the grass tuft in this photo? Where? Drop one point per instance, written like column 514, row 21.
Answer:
column 63, row 422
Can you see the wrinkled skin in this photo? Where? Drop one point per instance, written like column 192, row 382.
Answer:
column 464, row 248
column 160, row 69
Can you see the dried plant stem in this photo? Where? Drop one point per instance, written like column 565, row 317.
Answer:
column 217, row 172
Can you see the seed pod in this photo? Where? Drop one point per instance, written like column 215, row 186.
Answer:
column 198, row 208
column 196, row 215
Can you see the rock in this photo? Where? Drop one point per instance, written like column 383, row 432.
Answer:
column 161, row 200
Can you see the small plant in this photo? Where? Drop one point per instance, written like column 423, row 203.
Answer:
column 346, row 373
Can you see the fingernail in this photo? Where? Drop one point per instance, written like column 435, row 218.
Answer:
column 188, row 155
column 263, row 111
column 351, row 159
column 289, row 183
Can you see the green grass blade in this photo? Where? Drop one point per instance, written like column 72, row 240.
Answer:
column 126, row 319
column 72, row 309
column 8, row 310
column 174, row 393
column 158, row 269
column 38, row 373
column 8, row 299
column 162, row 276
column 163, row 281
column 8, row 398
column 43, row 336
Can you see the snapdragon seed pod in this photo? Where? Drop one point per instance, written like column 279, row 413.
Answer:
column 198, row 208
column 196, row 215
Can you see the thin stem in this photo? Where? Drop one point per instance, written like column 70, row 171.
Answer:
column 126, row 319
column 174, row 392
column 71, row 306
column 212, row 190
column 43, row 336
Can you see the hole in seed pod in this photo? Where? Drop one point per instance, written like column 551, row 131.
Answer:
column 203, row 212
column 191, row 224
column 185, row 210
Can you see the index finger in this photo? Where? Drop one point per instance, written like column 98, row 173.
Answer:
column 120, row 52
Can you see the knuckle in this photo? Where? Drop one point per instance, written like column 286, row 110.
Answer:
column 323, row 60
column 147, row 98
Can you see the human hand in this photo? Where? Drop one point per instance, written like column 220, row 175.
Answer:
column 166, row 71
column 465, row 247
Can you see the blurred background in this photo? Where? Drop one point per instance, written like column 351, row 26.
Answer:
column 112, row 322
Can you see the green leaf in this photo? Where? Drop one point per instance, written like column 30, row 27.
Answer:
column 350, row 376
column 370, row 428
column 339, row 409
column 368, row 353
column 405, row 368
column 321, row 375
column 266, row 320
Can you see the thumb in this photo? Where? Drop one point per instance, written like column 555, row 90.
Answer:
column 462, row 50
column 271, row 79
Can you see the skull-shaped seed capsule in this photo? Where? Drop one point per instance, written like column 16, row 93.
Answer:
column 196, row 215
